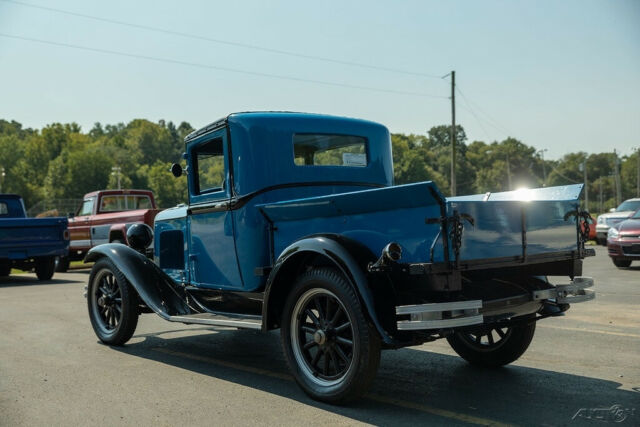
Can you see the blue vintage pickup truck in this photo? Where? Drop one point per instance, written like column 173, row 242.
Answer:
column 293, row 222
column 29, row 243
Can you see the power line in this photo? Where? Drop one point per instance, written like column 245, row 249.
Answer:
column 489, row 120
column 477, row 119
column 219, row 68
column 225, row 42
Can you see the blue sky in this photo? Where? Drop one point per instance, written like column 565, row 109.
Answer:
column 564, row 76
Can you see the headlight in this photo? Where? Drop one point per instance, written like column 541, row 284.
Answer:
column 601, row 220
column 613, row 233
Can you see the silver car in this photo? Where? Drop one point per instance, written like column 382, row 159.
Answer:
column 614, row 216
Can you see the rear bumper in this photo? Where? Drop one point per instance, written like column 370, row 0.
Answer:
column 457, row 314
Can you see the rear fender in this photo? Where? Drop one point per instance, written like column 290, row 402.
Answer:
column 327, row 246
column 118, row 231
column 155, row 288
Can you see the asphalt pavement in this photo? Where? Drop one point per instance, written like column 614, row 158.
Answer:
column 581, row 369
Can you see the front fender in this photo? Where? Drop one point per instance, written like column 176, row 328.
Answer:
column 155, row 288
column 330, row 248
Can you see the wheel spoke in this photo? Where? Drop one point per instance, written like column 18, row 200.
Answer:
column 344, row 341
column 343, row 327
column 341, row 354
column 333, row 361
column 316, row 358
column 490, row 337
column 327, row 311
column 321, row 315
column 308, row 329
column 325, row 365
column 500, row 332
column 336, row 316
column 310, row 344
column 313, row 317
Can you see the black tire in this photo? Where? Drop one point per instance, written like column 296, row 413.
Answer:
column 621, row 263
column 601, row 241
column 330, row 347
column 45, row 268
column 493, row 347
column 5, row 269
column 62, row 264
column 112, row 303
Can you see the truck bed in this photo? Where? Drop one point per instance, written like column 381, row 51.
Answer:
column 524, row 226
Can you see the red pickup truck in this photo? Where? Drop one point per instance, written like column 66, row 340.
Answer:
column 104, row 217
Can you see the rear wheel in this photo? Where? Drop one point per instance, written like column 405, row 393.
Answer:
column 62, row 264
column 45, row 268
column 494, row 346
column 112, row 303
column 5, row 269
column 621, row 263
column 331, row 350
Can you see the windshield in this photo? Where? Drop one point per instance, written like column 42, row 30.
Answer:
column 629, row 205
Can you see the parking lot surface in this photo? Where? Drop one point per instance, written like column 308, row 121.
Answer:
column 583, row 368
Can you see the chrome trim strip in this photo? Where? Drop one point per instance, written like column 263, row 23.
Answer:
column 438, row 307
column 409, row 325
column 209, row 319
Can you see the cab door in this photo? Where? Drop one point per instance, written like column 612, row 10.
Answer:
column 212, row 250
column 80, row 226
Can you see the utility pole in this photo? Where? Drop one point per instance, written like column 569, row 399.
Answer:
column 638, row 172
column 544, row 169
column 116, row 171
column 583, row 166
column 508, row 172
column 616, row 177
column 600, row 207
column 453, row 133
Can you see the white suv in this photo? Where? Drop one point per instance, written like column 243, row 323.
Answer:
column 614, row 216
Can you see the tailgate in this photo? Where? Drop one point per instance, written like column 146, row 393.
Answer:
column 522, row 225
column 28, row 237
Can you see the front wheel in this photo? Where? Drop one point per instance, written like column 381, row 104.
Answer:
column 112, row 303
column 492, row 347
column 331, row 350
column 621, row 263
column 45, row 268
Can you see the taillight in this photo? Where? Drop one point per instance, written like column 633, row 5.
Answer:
column 65, row 235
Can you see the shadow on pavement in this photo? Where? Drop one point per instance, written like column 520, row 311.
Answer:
column 412, row 386
column 28, row 280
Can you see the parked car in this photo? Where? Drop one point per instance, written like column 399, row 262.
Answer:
column 615, row 216
column 29, row 243
column 293, row 222
column 623, row 241
column 104, row 217
column 591, row 234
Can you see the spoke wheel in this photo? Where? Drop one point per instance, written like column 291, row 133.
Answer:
column 322, row 336
column 330, row 347
column 112, row 303
column 491, row 347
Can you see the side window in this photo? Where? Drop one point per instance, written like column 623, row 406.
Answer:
column 4, row 209
column 329, row 150
column 86, row 208
column 209, row 166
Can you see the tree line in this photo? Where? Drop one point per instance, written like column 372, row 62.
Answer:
column 60, row 161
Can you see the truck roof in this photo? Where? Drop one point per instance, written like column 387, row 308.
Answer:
column 263, row 150
column 245, row 116
column 9, row 196
column 123, row 191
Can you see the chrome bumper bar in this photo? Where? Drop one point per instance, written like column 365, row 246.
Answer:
column 568, row 294
column 440, row 315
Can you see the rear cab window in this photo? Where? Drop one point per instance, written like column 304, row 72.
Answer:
column 4, row 208
column 329, row 150
column 124, row 202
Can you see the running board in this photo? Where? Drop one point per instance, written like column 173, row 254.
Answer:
column 237, row 321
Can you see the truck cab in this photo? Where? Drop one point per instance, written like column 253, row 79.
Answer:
column 293, row 222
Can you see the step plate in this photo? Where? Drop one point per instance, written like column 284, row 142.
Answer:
column 249, row 322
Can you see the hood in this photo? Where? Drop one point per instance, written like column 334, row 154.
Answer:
column 629, row 227
column 616, row 215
